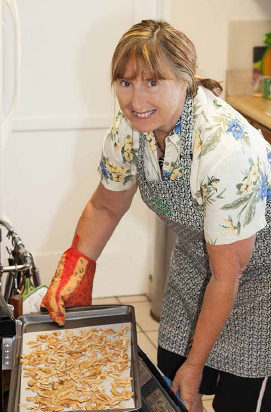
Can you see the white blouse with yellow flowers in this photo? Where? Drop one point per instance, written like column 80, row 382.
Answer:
column 230, row 172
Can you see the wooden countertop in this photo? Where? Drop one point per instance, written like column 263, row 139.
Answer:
column 256, row 108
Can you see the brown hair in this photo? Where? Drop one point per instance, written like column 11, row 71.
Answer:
column 156, row 48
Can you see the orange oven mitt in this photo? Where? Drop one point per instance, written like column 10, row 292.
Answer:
column 71, row 284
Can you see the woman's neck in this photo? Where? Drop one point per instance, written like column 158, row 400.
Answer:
column 160, row 135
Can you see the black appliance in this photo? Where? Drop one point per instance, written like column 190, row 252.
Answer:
column 21, row 264
column 10, row 328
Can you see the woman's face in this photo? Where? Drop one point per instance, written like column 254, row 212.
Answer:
column 149, row 105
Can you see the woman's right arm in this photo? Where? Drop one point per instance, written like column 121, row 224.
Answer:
column 100, row 218
column 73, row 279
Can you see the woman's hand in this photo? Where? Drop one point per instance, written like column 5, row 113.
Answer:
column 71, row 284
column 187, row 381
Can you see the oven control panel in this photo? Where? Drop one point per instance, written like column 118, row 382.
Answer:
column 7, row 353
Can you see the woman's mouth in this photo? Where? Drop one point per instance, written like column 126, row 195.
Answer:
column 144, row 115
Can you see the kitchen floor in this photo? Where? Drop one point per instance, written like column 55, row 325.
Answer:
column 147, row 329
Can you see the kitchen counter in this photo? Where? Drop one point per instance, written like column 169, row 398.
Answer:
column 255, row 108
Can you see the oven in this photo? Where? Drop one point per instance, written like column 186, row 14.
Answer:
column 10, row 331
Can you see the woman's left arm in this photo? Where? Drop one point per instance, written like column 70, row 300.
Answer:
column 227, row 263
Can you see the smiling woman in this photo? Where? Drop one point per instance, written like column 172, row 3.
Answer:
column 151, row 105
column 153, row 73
column 206, row 172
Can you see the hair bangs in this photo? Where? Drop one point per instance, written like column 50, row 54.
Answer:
column 145, row 60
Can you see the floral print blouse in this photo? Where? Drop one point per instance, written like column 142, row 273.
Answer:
column 230, row 171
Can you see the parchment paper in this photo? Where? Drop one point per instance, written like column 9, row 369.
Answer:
column 32, row 336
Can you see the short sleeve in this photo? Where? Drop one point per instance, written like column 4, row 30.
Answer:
column 119, row 156
column 234, row 195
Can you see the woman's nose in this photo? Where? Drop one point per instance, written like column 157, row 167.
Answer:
column 137, row 100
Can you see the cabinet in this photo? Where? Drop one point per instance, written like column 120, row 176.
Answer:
column 265, row 131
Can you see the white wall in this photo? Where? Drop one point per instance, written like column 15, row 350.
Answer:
column 66, row 106
column 1, row 119
column 206, row 23
column 243, row 36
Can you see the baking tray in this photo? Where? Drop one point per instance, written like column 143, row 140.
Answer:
column 75, row 318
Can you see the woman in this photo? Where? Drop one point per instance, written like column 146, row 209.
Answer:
column 203, row 169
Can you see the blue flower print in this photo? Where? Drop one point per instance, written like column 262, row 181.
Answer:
column 254, row 188
column 236, row 129
column 263, row 190
column 269, row 157
column 178, row 126
column 166, row 175
column 105, row 172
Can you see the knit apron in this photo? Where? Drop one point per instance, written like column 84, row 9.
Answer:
column 244, row 345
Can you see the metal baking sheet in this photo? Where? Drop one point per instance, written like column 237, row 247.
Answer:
column 76, row 318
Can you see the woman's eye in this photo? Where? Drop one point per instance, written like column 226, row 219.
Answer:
column 125, row 83
column 152, row 83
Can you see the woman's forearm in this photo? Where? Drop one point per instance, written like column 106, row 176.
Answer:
column 227, row 263
column 95, row 228
column 100, row 217
column 217, row 305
